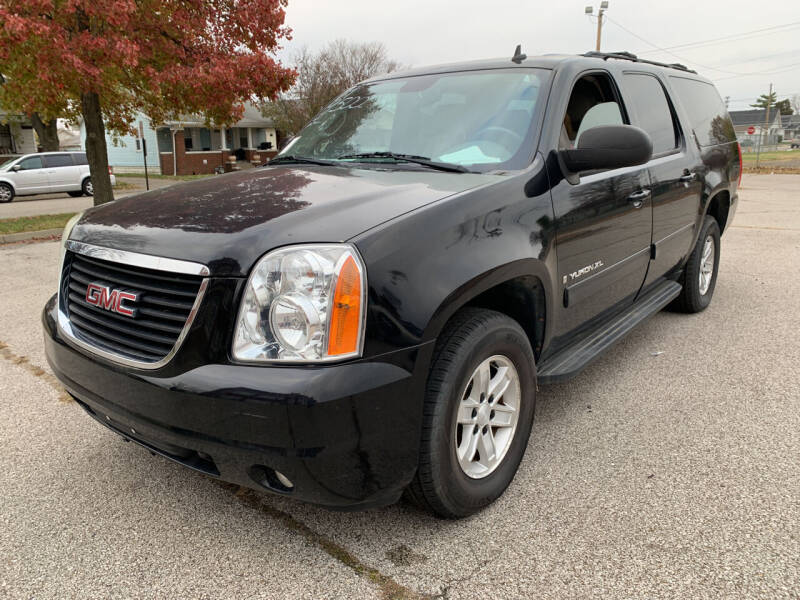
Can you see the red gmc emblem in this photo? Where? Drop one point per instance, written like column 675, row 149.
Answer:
column 106, row 298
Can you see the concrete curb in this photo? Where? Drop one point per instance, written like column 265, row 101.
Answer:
column 10, row 238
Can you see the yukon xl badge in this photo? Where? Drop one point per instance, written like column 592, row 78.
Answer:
column 112, row 300
column 582, row 271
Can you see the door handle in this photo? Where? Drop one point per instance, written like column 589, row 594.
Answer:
column 687, row 176
column 638, row 198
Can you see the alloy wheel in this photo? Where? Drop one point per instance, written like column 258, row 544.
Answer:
column 707, row 265
column 487, row 416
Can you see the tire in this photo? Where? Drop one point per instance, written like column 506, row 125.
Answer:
column 696, row 295
column 86, row 187
column 473, row 339
column 76, row 194
column 6, row 192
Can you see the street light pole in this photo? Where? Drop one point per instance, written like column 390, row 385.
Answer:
column 590, row 10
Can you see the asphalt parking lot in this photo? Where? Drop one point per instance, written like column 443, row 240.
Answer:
column 670, row 468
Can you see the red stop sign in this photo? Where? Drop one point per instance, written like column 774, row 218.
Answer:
column 751, row 130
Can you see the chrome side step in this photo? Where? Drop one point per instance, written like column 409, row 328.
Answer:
column 570, row 361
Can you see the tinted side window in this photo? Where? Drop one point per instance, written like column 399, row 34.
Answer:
column 80, row 159
column 32, row 162
column 651, row 109
column 58, row 160
column 707, row 113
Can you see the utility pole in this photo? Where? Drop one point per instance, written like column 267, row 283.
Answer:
column 144, row 155
column 766, row 119
column 766, row 126
column 589, row 11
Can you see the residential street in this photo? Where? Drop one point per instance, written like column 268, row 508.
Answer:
column 669, row 468
column 53, row 204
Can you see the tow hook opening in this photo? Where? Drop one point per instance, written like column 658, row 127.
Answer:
column 271, row 479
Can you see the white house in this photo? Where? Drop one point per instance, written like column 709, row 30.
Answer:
column 16, row 134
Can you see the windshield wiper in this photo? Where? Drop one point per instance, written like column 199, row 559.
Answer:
column 301, row 159
column 412, row 158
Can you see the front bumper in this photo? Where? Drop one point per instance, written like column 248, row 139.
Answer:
column 345, row 435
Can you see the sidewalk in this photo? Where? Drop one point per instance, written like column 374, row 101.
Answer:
column 53, row 204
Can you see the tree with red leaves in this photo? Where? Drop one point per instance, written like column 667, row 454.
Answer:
column 103, row 61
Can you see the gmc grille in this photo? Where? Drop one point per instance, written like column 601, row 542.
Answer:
column 163, row 308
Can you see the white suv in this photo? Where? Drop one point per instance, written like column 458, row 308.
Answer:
column 45, row 173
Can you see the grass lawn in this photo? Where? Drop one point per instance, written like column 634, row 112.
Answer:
column 783, row 156
column 36, row 223
column 124, row 185
column 169, row 177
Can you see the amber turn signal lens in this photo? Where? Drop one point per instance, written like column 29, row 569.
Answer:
column 346, row 310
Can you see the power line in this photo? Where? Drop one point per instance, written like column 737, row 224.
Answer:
column 648, row 42
column 753, row 33
column 694, row 62
column 781, row 69
column 790, row 52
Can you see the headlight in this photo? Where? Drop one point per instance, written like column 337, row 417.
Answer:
column 303, row 304
column 64, row 237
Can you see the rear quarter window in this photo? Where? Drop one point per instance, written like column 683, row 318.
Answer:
column 80, row 159
column 706, row 110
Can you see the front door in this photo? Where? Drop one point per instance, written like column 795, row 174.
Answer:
column 603, row 234
column 603, row 219
column 31, row 178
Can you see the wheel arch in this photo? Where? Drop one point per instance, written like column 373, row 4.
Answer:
column 9, row 183
column 518, row 289
column 718, row 206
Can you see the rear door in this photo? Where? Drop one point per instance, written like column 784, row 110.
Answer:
column 31, row 178
column 62, row 172
column 675, row 183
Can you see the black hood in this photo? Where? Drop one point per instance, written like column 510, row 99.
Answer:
column 228, row 221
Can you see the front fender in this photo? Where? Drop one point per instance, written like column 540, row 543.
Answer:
column 483, row 282
column 8, row 182
column 425, row 265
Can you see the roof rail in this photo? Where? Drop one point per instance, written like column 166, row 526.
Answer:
column 633, row 58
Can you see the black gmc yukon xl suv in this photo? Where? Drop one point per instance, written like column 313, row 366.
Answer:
column 371, row 312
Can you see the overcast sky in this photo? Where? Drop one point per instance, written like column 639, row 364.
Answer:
column 425, row 32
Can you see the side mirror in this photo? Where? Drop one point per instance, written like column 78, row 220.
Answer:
column 609, row 147
column 16, row 168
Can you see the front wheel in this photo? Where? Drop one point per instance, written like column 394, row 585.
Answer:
column 700, row 274
column 87, row 187
column 6, row 192
column 478, row 414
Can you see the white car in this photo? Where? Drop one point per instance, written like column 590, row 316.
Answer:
column 45, row 173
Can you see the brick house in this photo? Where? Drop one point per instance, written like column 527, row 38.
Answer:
column 187, row 146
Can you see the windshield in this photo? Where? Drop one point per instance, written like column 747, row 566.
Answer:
column 8, row 162
column 482, row 120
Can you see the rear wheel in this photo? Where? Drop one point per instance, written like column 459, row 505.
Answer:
column 76, row 194
column 478, row 414
column 700, row 274
column 87, row 187
column 6, row 192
